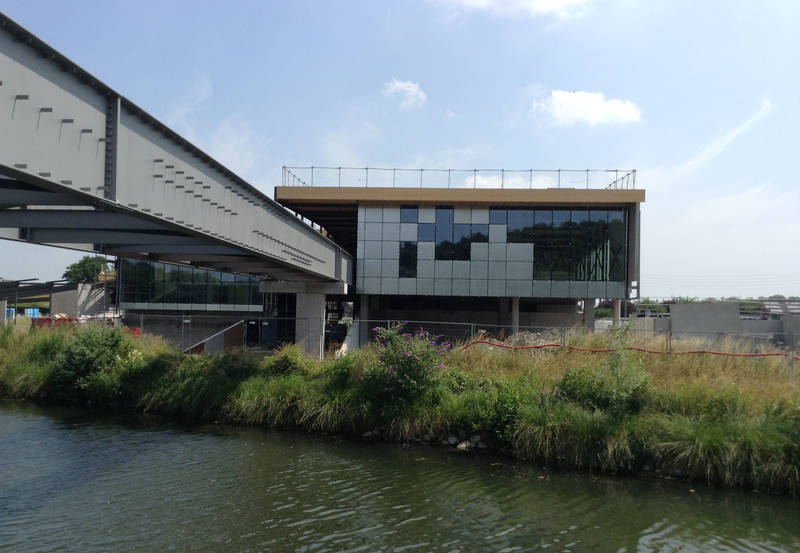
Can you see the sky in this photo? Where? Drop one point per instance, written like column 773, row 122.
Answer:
column 702, row 98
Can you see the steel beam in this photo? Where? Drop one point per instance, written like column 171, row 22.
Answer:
column 73, row 219
column 61, row 236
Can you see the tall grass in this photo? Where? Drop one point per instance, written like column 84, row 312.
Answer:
column 730, row 421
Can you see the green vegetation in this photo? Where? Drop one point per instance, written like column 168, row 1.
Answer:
column 86, row 269
column 731, row 421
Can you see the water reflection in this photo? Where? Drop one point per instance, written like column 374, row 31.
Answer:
column 71, row 481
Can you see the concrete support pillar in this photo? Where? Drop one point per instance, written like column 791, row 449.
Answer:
column 514, row 315
column 617, row 312
column 588, row 314
column 3, row 305
column 363, row 325
column 310, row 325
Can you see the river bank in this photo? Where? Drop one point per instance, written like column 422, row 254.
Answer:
column 733, row 422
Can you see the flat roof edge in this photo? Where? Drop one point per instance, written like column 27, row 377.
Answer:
column 356, row 195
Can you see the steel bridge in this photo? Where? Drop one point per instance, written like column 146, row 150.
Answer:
column 83, row 167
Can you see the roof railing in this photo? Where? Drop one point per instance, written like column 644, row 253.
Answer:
column 521, row 179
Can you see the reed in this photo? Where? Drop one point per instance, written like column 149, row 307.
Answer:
column 731, row 421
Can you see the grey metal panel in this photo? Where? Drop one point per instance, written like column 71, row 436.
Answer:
column 479, row 269
column 559, row 289
column 496, row 288
column 461, row 269
column 426, row 250
column 480, row 216
column 391, row 231
column 426, row 214
column 51, row 122
column 479, row 251
column 389, row 285
column 460, row 287
column 497, row 252
column 462, row 215
column 407, row 286
column 541, row 289
column 425, row 268
column 478, row 287
column 408, row 232
column 391, row 214
column 443, row 287
column 518, row 288
column 425, row 286
column 497, row 233
column 443, row 269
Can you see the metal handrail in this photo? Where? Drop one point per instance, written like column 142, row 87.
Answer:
column 327, row 176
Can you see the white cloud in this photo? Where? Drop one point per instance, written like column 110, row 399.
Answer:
column 673, row 175
column 410, row 94
column 566, row 108
column 561, row 9
column 450, row 114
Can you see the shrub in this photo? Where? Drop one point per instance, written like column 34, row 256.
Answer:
column 79, row 367
column 404, row 369
column 623, row 390
column 287, row 360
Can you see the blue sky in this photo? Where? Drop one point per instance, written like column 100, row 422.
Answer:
column 701, row 97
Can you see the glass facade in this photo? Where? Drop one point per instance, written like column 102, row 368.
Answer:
column 493, row 251
column 156, row 285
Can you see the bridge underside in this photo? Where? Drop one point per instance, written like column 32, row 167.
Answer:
column 36, row 213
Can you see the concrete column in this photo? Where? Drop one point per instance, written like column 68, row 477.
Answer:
column 363, row 317
column 3, row 305
column 588, row 313
column 514, row 315
column 310, row 325
column 617, row 313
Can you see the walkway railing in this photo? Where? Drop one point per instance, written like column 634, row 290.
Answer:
column 513, row 179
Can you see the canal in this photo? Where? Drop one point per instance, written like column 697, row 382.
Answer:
column 71, row 480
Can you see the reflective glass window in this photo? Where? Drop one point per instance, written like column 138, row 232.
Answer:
column 185, row 287
column 144, row 281
column 579, row 245
column 598, row 229
column 171, row 278
column 543, row 250
column 408, row 214
column 520, row 226
column 480, row 233
column 214, row 288
column 497, row 216
column 128, row 276
column 200, row 279
column 617, row 252
column 255, row 293
column 242, row 289
column 461, row 240
column 408, row 260
column 560, row 264
column 228, row 288
column 158, row 283
column 445, row 249
column 426, row 232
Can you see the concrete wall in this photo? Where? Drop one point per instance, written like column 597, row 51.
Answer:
column 705, row 318
column 791, row 329
column 546, row 316
column 310, row 329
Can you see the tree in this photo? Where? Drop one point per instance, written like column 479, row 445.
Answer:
column 86, row 269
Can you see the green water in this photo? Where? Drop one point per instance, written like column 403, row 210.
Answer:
column 72, row 481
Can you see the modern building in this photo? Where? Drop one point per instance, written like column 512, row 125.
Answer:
column 516, row 248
